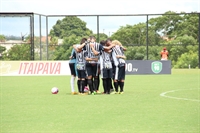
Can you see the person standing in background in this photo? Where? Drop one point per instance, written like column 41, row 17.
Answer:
column 164, row 54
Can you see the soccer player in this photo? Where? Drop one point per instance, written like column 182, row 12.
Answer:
column 119, row 62
column 106, row 68
column 108, row 42
column 92, row 63
column 164, row 54
column 73, row 72
column 82, row 57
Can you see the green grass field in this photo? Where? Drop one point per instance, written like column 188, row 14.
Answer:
column 27, row 105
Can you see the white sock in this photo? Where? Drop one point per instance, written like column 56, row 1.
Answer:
column 72, row 83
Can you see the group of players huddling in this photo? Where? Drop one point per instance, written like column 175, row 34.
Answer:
column 92, row 59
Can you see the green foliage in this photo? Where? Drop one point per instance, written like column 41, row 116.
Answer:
column 2, row 38
column 18, row 52
column 179, row 33
column 68, row 26
column 180, row 56
column 71, row 29
column 62, row 52
column 186, row 59
column 136, row 34
column 2, row 49
column 54, row 41
column 102, row 36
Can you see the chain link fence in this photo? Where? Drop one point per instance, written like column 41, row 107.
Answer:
column 34, row 30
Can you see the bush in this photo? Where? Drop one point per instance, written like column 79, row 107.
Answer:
column 187, row 59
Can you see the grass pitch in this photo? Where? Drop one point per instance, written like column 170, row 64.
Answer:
column 27, row 105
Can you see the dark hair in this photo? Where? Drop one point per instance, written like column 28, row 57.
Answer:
column 103, row 42
column 83, row 40
column 92, row 37
column 108, row 40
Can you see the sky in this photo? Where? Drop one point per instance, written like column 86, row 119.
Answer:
column 108, row 25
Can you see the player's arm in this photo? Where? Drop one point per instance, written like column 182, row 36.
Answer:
column 75, row 48
column 108, row 47
column 93, row 50
column 91, row 59
column 121, row 56
column 124, row 48
column 108, row 51
column 82, row 46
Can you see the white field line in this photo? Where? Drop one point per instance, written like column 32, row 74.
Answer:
column 178, row 98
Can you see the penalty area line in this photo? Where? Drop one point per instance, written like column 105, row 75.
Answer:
column 177, row 98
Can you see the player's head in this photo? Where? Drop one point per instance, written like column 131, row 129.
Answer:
column 108, row 42
column 83, row 40
column 117, row 43
column 92, row 39
column 103, row 42
column 164, row 49
column 88, row 39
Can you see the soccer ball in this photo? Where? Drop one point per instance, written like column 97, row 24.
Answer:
column 54, row 90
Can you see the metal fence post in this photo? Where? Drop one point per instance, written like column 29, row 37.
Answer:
column 32, row 35
column 199, row 40
column 147, row 38
column 40, row 37
column 98, row 29
column 47, row 41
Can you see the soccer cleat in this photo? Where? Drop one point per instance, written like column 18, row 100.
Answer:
column 103, row 93
column 98, row 92
column 121, row 92
column 74, row 93
column 111, row 90
column 83, row 94
column 116, row 92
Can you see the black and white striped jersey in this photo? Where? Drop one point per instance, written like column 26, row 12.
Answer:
column 98, row 47
column 105, row 60
column 80, row 59
column 117, row 50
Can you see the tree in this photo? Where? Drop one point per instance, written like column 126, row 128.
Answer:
column 166, row 23
column 186, row 60
column 2, row 49
column 179, row 46
column 62, row 52
column 54, row 41
column 102, row 36
column 2, row 38
column 19, row 52
column 188, row 26
column 136, row 35
column 68, row 26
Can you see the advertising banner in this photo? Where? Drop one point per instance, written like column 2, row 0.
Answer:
column 38, row 68
column 30, row 68
column 148, row 67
